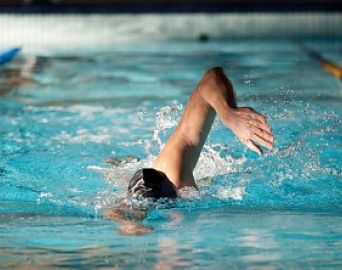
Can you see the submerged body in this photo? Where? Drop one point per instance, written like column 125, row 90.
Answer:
column 176, row 162
column 287, row 216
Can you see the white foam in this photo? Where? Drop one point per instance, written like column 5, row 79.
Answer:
column 210, row 163
column 83, row 136
column 235, row 193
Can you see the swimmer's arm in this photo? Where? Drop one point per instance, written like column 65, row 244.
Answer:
column 214, row 95
column 128, row 220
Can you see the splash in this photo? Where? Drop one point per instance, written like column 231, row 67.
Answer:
column 82, row 136
column 166, row 118
column 211, row 163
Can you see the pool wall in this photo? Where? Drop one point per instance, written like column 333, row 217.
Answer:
column 38, row 32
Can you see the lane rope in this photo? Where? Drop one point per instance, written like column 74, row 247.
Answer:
column 327, row 65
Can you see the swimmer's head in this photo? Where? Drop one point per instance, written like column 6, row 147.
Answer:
column 151, row 183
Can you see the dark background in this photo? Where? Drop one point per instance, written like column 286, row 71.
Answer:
column 146, row 6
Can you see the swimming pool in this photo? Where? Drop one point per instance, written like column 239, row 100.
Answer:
column 90, row 118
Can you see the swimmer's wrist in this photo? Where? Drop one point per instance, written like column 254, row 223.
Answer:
column 224, row 110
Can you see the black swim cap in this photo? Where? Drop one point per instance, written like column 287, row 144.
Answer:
column 151, row 183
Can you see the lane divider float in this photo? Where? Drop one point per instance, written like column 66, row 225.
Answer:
column 327, row 65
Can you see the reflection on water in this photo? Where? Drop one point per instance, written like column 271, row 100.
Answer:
column 183, row 238
column 72, row 137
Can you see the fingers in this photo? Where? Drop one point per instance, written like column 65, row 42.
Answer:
column 253, row 130
column 252, row 146
column 257, row 125
column 256, row 115
column 261, row 141
column 256, row 119
column 263, row 134
column 259, row 117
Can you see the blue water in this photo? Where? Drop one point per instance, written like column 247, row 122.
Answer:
column 80, row 109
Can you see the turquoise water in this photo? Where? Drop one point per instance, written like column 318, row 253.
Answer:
column 85, row 120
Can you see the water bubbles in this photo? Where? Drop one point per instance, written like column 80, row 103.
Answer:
column 83, row 136
column 225, row 177
column 43, row 196
column 189, row 193
column 168, row 116
column 214, row 160
column 236, row 193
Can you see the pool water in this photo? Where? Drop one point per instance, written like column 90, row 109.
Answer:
column 83, row 121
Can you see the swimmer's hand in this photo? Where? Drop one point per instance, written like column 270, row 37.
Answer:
column 133, row 228
column 250, row 127
column 128, row 220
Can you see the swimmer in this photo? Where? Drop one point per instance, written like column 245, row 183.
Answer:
column 173, row 168
column 17, row 75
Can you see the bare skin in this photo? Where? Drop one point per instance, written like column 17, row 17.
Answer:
column 16, row 77
column 213, row 95
column 128, row 220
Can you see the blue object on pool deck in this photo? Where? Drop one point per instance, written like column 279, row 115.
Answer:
column 7, row 55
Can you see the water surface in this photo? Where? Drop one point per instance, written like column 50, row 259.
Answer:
column 81, row 108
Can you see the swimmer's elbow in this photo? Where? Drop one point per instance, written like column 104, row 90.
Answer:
column 213, row 76
column 211, row 81
column 214, row 71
